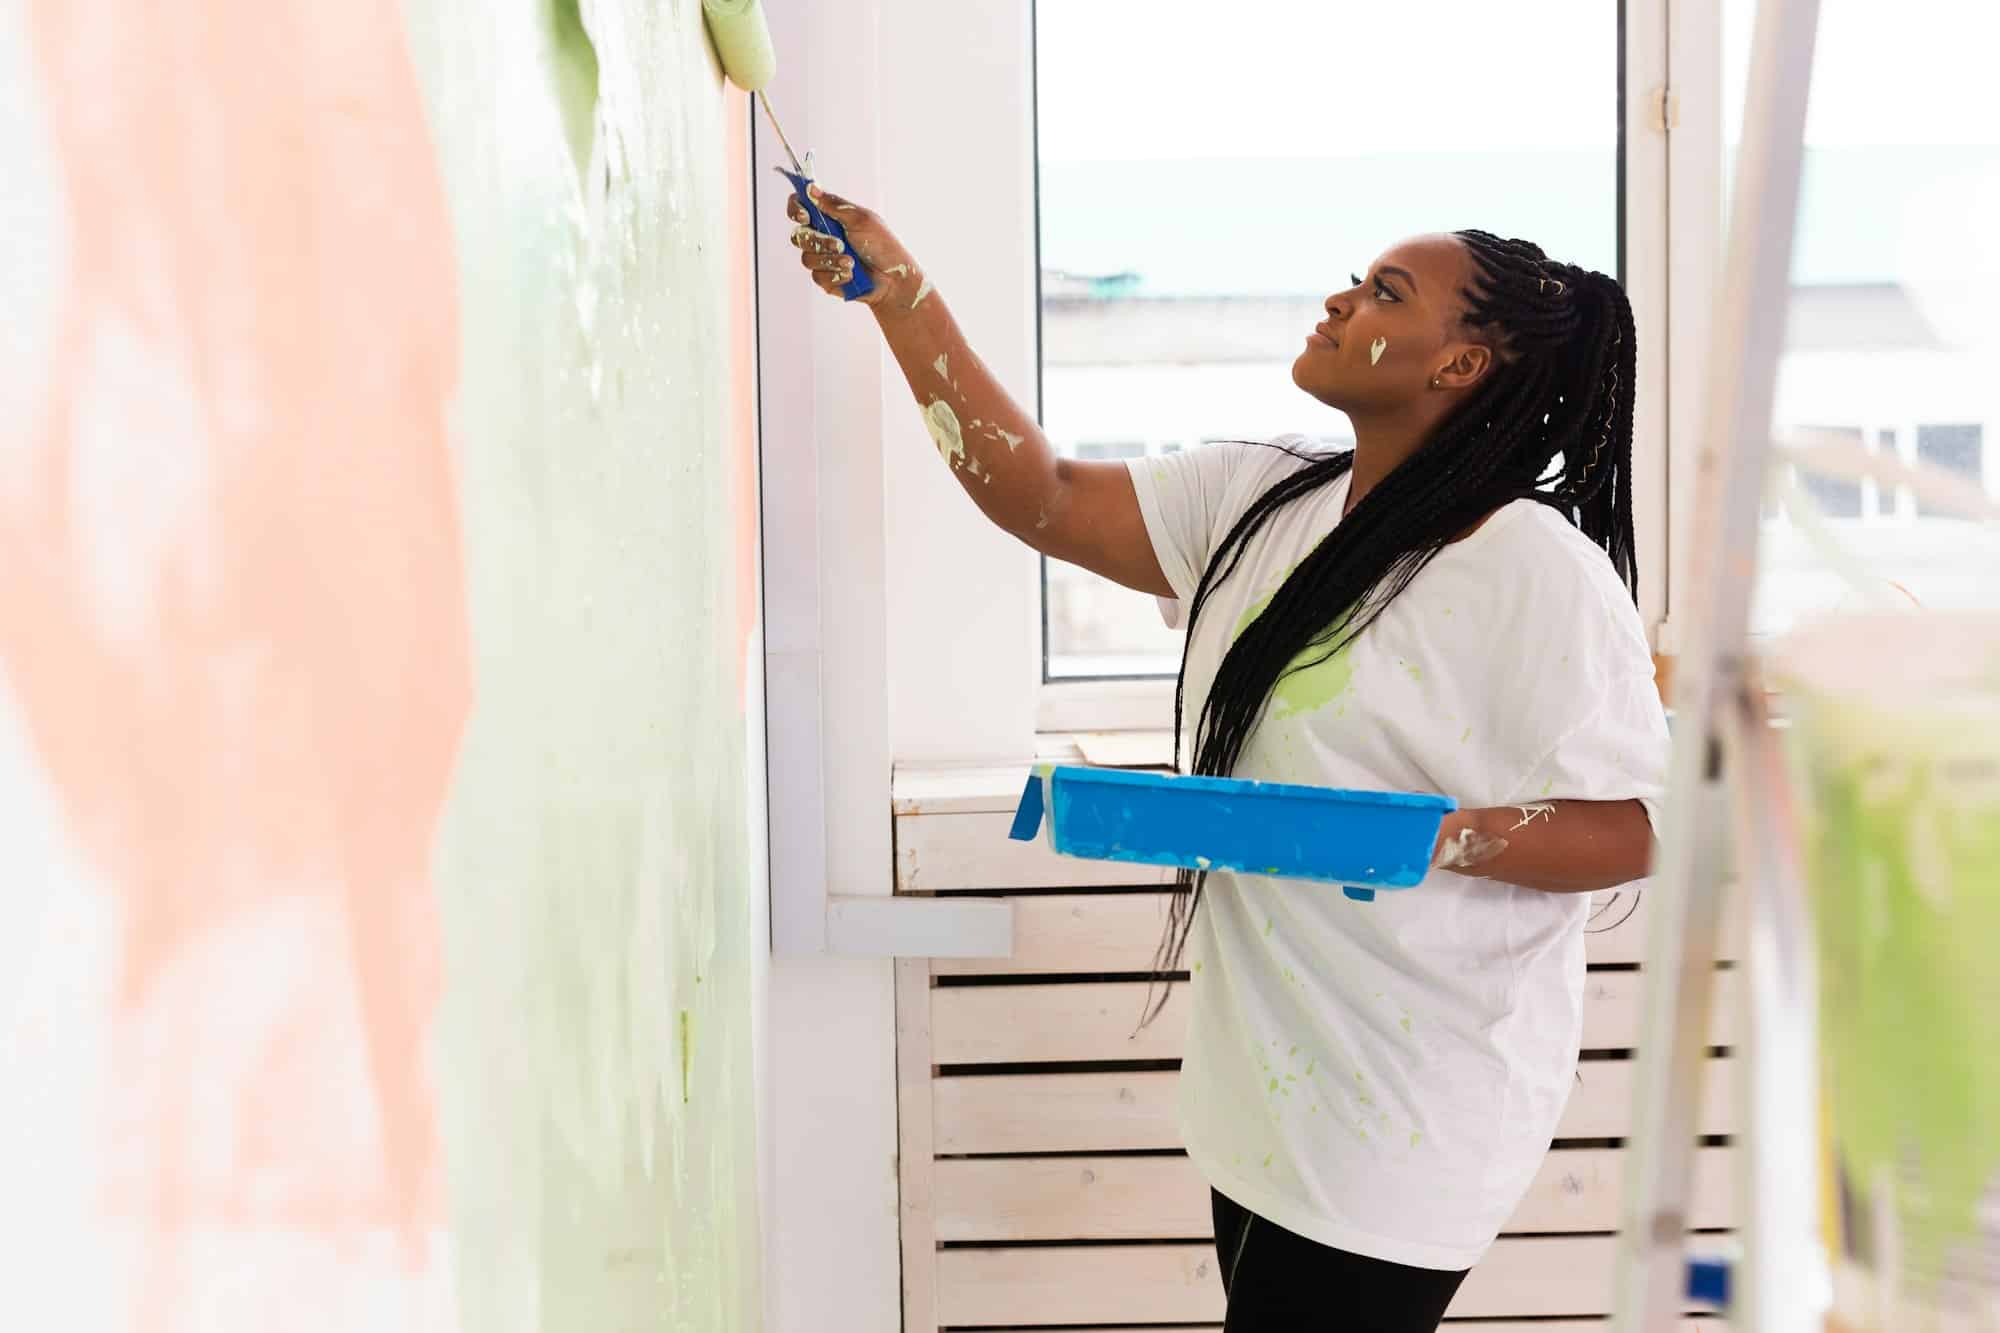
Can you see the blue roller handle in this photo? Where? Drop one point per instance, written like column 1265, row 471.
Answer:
column 862, row 283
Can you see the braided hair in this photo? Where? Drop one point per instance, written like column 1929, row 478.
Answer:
column 1550, row 422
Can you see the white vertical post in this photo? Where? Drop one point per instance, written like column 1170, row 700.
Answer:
column 1711, row 681
column 1778, row 1164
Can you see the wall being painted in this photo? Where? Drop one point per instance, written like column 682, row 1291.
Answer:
column 594, row 879
column 376, row 507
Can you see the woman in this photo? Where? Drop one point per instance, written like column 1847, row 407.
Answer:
column 1369, row 1089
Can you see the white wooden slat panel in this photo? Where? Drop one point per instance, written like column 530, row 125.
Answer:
column 1060, row 1021
column 1031, row 1113
column 1481, row 1326
column 1139, row 1198
column 916, row 1175
column 1524, row 1277
column 972, row 851
column 1117, row 932
column 1075, row 932
column 1099, row 1020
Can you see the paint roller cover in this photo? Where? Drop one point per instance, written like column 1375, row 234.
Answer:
column 743, row 40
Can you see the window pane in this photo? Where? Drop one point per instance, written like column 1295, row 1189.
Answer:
column 1894, row 277
column 1837, row 497
column 1206, row 182
column 1959, row 449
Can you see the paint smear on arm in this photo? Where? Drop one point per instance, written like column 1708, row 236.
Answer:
column 942, row 423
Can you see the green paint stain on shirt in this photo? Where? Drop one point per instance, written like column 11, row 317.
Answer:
column 1274, row 1085
column 1466, row 737
column 1267, row 1160
column 1314, row 679
column 1548, row 786
column 1415, row 1138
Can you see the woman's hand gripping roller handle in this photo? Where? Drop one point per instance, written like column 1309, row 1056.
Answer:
column 862, row 283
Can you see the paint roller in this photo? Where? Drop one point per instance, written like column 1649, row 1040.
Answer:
column 743, row 43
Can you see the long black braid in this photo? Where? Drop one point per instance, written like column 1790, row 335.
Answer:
column 1551, row 422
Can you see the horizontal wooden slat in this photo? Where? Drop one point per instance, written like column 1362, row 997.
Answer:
column 1480, row 1326
column 1062, row 1021
column 972, row 851
column 1525, row 1277
column 1117, row 932
column 1035, row 1113
column 1140, row 1198
column 1099, row 1020
column 1075, row 932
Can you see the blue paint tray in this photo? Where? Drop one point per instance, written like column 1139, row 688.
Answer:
column 1361, row 840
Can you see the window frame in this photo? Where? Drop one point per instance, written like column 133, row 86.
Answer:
column 1658, row 38
column 945, row 613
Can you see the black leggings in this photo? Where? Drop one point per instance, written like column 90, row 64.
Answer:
column 1279, row 1282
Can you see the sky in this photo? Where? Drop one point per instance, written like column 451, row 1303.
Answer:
column 1127, row 80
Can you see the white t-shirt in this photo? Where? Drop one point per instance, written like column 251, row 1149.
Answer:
column 1385, row 1077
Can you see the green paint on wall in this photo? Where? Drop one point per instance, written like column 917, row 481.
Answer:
column 596, row 867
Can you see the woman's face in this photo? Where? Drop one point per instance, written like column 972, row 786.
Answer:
column 1386, row 337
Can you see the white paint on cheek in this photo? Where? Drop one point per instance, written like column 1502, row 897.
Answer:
column 939, row 366
column 1013, row 440
column 942, row 423
column 1375, row 350
column 900, row 270
column 1041, row 518
column 922, row 292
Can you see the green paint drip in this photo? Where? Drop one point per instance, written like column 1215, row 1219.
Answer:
column 1904, row 858
column 687, row 1055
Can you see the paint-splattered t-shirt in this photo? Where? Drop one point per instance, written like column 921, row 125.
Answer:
column 1385, row 1077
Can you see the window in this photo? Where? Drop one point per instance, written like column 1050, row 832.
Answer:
column 1124, row 449
column 1892, row 285
column 1836, row 497
column 1957, row 449
column 1198, row 201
